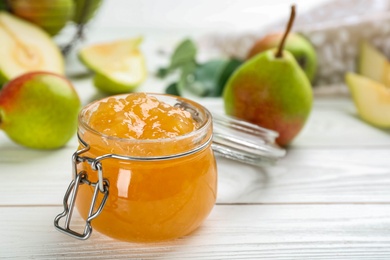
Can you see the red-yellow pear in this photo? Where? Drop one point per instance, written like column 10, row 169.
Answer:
column 301, row 48
column 272, row 91
column 39, row 110
column 50, row 15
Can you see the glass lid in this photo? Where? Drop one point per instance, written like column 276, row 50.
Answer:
column 245, row 142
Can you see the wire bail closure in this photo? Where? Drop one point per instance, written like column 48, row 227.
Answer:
column 81, row 178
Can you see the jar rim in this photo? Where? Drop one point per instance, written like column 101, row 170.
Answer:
column 205, row 124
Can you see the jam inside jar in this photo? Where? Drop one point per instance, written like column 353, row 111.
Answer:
column 161, row 189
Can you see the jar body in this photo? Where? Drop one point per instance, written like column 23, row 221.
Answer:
column 163, row 198
column 151, row 201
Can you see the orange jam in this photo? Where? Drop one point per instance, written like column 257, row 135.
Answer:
column 171, row 188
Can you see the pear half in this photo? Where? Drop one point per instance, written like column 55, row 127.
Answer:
column 371, row 98
column 373, row 64
column 119, row 65
column 25, row 47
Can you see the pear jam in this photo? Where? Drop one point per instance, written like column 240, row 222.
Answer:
column 171, row 188
column 139, row 116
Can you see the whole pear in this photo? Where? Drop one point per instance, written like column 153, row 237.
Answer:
column 39, row 110
column 272, row 91
column 85, row 10
column 50, row 15
column 301, row 48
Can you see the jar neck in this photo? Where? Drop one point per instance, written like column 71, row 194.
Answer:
column 101, row 143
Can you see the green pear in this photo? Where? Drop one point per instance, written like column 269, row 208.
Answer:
column 301, row 48
column 50, row 15
column 373, row 64
column 85, row 10
column 111, row 85
column 25, row 47
column 39, row 110
column 272, row 91
column 371, row 98
column 119, row 65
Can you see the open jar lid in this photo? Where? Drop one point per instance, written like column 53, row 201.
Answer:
column 245, row 142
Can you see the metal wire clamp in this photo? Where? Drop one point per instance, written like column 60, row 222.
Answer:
column 70, row 196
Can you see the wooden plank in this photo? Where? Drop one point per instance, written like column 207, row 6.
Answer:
column 333, row 123
column 230, row 232
column 310, row 176
column 304, row 176
column 357, row 170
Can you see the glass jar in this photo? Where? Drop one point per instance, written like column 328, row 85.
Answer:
column 157, row 189
column 144, row 190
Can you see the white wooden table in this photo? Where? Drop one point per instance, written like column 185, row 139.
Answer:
column 329, row 198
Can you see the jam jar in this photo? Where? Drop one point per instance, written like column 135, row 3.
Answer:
column 148, row 186
column 147, row 189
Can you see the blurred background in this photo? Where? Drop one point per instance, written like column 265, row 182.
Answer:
column 202, row 15
column 230, row 28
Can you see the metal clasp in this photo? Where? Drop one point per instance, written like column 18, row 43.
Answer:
column 70, row 196
column 71, row 192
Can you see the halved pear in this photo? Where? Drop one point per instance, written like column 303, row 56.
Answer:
column 373, row 64
column 25, row 47
column 119, row 65
column 371, row 98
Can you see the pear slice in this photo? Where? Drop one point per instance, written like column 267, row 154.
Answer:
column 25, row 47
column 119, row 65
column 373, row 64
column 371, row 98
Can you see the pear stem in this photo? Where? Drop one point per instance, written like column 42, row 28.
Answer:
column 7, row 6
column 279, row 53
column 1, row 118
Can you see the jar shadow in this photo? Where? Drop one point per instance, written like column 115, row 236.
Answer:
column 236, row 181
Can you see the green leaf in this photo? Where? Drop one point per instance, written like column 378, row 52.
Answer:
column 230, row 67
column 172, row 89
column 162, row 72
column 209, row 78
column 186, row 77
column 184, row 53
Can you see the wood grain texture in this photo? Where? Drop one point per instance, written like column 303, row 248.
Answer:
column 329, row 198
column 357, row 170
column 304, row 176
column 310, row 176
column 230, row 232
